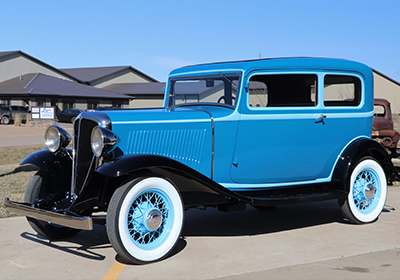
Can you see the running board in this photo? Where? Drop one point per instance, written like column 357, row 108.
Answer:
column 26, row 209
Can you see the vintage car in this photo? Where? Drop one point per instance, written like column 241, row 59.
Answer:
column 383, row 127
column 265, row 132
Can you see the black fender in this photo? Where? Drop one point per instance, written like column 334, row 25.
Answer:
column 55, row 168
column 358, row 149
column 195, row 188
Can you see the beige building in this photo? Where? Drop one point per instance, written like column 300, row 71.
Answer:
column 17, row 69
column 387, row 88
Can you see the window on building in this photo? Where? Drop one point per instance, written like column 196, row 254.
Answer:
column 40, row 102
column 284, row 90
column 68, row 105
column 116, row 104
column 92, row 105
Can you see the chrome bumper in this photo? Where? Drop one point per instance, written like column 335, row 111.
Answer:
column 26, row 209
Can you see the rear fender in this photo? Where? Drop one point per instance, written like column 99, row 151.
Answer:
column 354, row 153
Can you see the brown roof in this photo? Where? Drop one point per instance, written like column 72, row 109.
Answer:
column 137, row 88
column 16, row 86
column 45, row 83
column 91, row 74
column 38, row 84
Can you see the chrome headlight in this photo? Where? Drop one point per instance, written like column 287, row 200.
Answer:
column 102, row 141
column 56, row 138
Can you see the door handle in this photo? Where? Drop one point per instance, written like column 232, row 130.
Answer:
column 321, row 119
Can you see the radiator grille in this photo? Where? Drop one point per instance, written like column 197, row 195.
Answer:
column 83, row 160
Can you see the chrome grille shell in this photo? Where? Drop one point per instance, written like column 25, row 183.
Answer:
column 84, row 161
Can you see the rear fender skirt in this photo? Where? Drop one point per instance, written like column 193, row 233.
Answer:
column 190, row 182
column 354, row 152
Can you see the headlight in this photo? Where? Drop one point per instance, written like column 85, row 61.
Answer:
column 56, row 138
column 102, row 141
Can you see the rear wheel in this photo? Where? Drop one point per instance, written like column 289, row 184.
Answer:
column 51, row 231
column 367, row 194
column 5, row 120
column 145, row 219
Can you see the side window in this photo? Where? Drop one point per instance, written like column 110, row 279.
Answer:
column 342, row 90
column 286, row 90
column 379, row 110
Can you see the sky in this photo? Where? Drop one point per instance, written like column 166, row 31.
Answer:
column 156, row 37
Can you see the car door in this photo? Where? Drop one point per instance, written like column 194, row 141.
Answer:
column 295, row 126
column 281, row 136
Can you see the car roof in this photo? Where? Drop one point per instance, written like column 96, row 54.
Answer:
column 295, row 63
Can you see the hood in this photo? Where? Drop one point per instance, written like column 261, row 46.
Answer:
column 184, row 134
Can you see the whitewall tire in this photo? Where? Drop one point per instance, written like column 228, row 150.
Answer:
column 145, row 219
column 367, row 194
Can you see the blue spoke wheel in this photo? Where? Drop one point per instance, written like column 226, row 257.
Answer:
column 367, row 192
column 145, row 219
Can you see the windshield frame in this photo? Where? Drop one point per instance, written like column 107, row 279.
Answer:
column 231, row 82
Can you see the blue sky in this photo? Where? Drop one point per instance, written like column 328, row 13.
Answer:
column 158, row 36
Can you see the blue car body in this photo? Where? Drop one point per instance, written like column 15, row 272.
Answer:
column 254, row 147
column 265, row 132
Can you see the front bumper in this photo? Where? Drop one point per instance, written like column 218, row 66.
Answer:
column 72, row 221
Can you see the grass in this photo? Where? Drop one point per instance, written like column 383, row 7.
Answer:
column 13, row 177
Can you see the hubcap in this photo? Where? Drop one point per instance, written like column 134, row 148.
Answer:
column 153, row 219
column 370, row 191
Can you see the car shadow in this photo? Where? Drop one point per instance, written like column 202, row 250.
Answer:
column 254, row 221
column 211, row 222
column 82, row 245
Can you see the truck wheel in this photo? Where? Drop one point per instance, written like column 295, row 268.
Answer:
column 5, row 120
column 145, row 219
column 46, row 229
column 367, row 194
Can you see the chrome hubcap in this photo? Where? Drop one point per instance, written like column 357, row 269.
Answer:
column 153, row 219
column 370, row 191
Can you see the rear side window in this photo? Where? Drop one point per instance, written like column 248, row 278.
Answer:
column 285, row 90
column 340, row 90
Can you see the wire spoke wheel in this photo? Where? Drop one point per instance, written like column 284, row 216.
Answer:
column 145, row 219
column 367, row 194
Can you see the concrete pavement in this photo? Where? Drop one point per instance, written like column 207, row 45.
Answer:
column 309, row 241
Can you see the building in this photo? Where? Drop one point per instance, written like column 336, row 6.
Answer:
column 79, row 88
column 88, row 88
column 387, row 88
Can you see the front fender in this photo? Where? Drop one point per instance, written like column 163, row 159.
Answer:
column 43, row 157
column 354, row 153
column 193, row 185
column 55, row 168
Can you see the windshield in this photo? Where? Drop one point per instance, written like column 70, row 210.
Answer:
column 218, row 89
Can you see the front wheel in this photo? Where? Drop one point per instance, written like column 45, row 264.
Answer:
column 367, row 194
column 35, row 190
column 145, row 219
